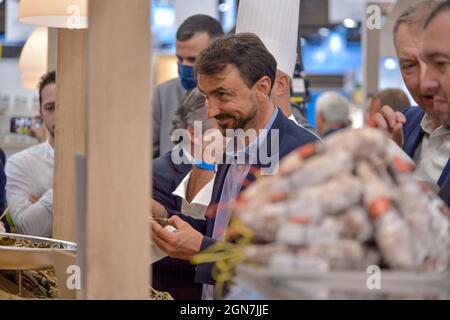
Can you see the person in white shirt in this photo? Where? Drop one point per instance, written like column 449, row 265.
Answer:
column 29, row 187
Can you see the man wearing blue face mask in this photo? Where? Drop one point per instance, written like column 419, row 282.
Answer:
column 193, row 35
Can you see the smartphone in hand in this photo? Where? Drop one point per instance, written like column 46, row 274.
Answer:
column 23, row 125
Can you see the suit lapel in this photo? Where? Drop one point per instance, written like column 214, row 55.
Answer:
column 444, row 174
column 413, row 140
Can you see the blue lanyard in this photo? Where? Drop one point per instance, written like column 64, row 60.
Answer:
column 204, row 166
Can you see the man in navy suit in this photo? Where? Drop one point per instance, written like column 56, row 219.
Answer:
column 418, row 130
column 436, row 53
column 174, row 189
column 236, row 74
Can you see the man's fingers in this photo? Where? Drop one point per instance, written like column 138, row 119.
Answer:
column 177, row 222
column 161, row 237
column 389, row 115
column 381, row 121
column 157, row 210
column 160, row 231
column 397, row 134
column 400, row 117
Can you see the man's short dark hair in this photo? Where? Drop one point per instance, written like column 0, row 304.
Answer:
column 49, row 77
column 243, row 50
column 199, row 23
column 440, row 8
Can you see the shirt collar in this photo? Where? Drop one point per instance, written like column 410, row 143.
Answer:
column 427, row 126
column 203, row 197
column 49, row 149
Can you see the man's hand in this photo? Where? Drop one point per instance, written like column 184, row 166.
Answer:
column 392, row 122
column 38, row 132
column 182, row 244
column 157, row 210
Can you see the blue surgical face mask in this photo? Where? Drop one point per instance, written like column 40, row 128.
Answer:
column 187, row 76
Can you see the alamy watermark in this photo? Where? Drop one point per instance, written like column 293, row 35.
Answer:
column 373, row 20
column 75, row 19
column 73, row 281
column 374, row 280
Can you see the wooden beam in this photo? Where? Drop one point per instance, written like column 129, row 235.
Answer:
column 70, row 128
column 52, row 53
column 371, row 55
column 118, row 156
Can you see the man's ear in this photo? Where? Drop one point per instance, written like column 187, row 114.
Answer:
column 320, row 120
column 263, row 88
column 283, row 84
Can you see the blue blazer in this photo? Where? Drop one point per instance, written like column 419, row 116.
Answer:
column 413, row 135
column 445, row 191
column 291, row 136
column 172, row 275
column 166, row 178
column 3, row 191
column 2, row 187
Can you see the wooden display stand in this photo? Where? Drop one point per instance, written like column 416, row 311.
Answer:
column 70, row 128
column 104, row 111
column 117, row 150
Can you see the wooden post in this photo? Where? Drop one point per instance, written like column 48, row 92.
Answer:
column 52, row 55
column 70, row 128
column 371, row 55
column 117, row 148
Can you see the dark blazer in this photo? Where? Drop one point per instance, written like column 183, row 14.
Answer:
column 166, row 178
column 445, row 191
column 172, row 275
column 413, row 135
column 412, row 131
column 291, row 136
column 2, row 188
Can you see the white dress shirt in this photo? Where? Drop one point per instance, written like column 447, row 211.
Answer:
column 434, row 152
column 197, row 207
column 30, row 172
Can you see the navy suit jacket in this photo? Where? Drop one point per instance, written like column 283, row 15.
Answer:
column 172, row 275
column 2, row 187
column 413, row 135
column 3, row 191
column 445, row 191
column 166, row 178
column 291, row 136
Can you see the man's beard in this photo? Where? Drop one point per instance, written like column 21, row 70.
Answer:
column 241, row 123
